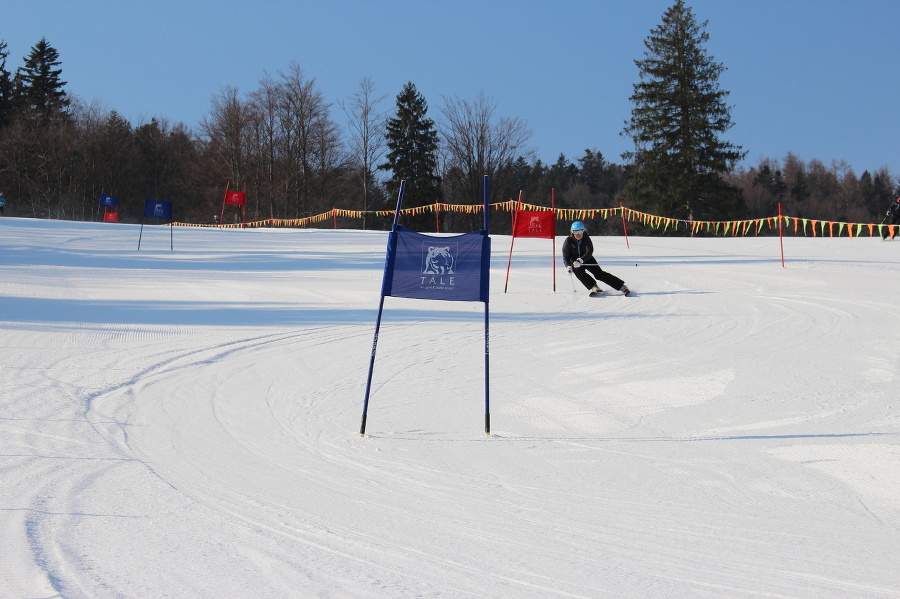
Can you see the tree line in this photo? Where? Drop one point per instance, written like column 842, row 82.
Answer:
column 300, row 155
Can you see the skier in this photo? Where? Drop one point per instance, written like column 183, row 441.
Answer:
column 578, row 256
column 891, row 217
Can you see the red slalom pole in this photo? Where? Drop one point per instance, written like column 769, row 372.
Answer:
column 781, row 234
column 512, row 241
column 222, row 216
column 553, row 251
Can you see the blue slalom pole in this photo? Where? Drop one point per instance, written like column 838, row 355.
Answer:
column 487, row 345
column 362, row 426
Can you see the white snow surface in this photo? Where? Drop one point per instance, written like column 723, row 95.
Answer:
column 185, row 423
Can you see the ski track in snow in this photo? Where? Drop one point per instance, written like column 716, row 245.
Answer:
column 184, row 423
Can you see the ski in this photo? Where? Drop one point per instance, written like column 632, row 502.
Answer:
column 626, row 293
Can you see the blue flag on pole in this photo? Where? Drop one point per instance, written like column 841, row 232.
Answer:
column 454, row 268
column 108, row 200
column 161, row 209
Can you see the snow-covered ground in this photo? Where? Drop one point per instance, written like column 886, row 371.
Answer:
column 186, row 423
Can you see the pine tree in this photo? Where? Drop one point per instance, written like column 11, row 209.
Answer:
column 412, row 142
column 678, row 116
column 6, row 87
column 38, row 89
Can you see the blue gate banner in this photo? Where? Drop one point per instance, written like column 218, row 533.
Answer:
column 108, row 200
column 161, row 209
column 453, row 268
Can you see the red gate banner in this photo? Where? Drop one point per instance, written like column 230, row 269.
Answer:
column 238, row 198
column 535, row 223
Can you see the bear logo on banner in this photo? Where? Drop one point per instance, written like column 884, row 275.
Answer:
column 438, row 261
column 161, row 209
column 535, row 226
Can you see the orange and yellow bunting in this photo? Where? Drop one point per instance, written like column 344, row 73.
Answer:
column 816, row 228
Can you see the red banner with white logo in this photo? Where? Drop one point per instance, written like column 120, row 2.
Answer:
column 237, row 198
column 534, row 223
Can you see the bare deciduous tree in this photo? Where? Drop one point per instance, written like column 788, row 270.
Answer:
column 367, row 136
column 309, row 134
column 268, row 179
column 477, row 143
column 40, row 162
column 227, row 131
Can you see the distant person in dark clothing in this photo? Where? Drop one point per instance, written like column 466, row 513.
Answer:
column 578, row 256
column 2, row 202
column 891, row 217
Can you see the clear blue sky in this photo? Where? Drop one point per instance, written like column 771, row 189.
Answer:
column 818, row 78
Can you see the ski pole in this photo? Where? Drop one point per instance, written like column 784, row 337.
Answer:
column 572, row 281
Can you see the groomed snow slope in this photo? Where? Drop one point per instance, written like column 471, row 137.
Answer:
column 185, row 423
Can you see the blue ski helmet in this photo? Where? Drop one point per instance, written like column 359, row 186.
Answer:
column 577, row 226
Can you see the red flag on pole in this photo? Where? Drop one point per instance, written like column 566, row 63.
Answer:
column 237, row 198
column 110, row 217
column 535, row 223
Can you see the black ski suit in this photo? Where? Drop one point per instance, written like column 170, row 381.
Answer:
column 584, row 248
column 891, row 217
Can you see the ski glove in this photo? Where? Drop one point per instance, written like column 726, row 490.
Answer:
column 577, row 263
